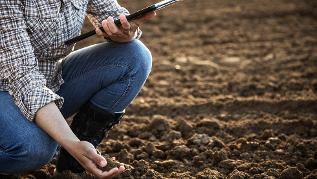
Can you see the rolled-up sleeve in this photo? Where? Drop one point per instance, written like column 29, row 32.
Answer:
column 18, row 64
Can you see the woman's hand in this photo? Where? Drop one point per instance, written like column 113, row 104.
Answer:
column 85, row 153
column 126, row 32
column 50, row 119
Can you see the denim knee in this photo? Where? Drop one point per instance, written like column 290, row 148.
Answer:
column 42, row 154
column 139, row 58
column 27, row 155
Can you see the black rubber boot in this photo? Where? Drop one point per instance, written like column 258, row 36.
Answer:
column 89, row 124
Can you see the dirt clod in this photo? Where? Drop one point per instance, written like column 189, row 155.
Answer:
column 291, row 173
column 208, row 173
column 311, row 163
column 238, row 175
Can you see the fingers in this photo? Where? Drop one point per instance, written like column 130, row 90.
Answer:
column 115, row 171
column 115, row 33
column 110, row 27
column 112, row 172
column 93, row 159
column 99, row 32
column 87, row 156
column 124, row 33
column 91, row 167
column 96, row 158
column 124, row 22
column 121, row 167
column 106, row 28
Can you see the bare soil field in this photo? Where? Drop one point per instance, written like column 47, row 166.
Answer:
column 232, row 94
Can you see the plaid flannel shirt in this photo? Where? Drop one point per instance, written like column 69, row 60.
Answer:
column 32, row 36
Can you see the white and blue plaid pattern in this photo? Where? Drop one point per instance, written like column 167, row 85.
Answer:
column 32, row 36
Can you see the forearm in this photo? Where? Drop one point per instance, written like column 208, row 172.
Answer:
column 50, row 119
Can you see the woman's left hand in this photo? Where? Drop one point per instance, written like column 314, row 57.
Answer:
column 126, row 32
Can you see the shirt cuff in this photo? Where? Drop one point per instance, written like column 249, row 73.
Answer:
column 138, row 33
column 30, row 94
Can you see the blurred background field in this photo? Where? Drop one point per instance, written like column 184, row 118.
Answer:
column 232, row 93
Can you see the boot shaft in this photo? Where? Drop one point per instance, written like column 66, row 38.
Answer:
column 90, row 124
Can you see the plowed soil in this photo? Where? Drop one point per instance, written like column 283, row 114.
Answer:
column 232, row 93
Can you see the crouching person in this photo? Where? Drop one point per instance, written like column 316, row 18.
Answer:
column 43, row 83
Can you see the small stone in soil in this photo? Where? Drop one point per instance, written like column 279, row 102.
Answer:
column 208, row 173
column 238, row 175
column 200, row 139
column 185, row 128
column 291, row 173
column 311, row 163
column 180, row 152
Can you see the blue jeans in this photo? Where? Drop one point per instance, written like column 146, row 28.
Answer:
column 109, row 75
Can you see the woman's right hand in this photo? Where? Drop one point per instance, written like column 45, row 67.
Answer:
column 86, row 154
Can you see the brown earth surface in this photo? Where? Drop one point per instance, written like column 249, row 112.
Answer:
column 232, row 93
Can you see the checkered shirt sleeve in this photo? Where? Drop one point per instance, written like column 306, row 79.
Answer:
column 18, row 64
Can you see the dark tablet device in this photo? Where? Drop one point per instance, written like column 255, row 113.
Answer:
column 136, row 15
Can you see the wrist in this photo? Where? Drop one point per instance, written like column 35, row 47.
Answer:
column 70, row 145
